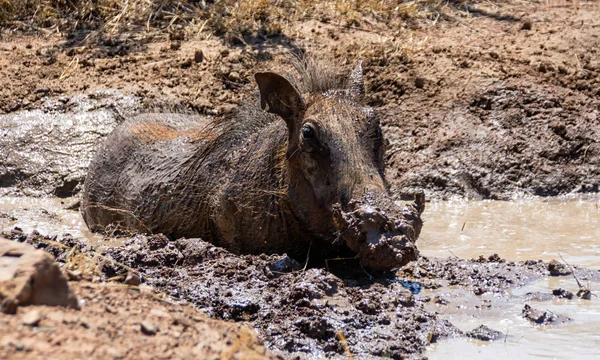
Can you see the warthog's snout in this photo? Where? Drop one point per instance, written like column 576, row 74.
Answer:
column 379, row 231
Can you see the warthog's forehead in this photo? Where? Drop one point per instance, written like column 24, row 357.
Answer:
column 327, row 111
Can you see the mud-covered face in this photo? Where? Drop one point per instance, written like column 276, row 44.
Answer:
column 335, row 170
column 338, row 147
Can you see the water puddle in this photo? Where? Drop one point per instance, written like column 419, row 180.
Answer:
column 516, row 230
column 579, row 338
column 49, row 216
column 535, row 229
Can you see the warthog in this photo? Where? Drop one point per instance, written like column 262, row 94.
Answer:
column 307, row 173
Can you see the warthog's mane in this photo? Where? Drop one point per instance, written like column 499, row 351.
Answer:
column 309, row 76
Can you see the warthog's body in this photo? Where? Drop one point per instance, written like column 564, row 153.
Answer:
column 307, row 171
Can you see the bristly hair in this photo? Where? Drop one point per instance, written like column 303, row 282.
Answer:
column 314, row 76
column 309, row 76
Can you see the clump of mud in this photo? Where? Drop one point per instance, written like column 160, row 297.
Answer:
column 382, row 241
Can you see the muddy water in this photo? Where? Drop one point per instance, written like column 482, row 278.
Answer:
column 578, row 339
column 49, row 216
column 518, row 231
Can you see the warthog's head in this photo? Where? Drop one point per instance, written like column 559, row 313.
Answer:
column 335, row 161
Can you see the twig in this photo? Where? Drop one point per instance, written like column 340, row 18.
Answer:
column 342, row 339
column 572, row 272
column 307, row 257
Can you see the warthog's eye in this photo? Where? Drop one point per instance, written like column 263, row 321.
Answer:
column 308, row 133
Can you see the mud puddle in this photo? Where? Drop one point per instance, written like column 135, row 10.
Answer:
column 516, row 230
column 520, row 230
column 458, row 295
column 49, row 216
column 578, row 338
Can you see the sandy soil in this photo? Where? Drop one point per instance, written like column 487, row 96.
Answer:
column 497, row 102
column 121, row 322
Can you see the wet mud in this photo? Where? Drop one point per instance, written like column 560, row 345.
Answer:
column 305, row 312
column 47, row 151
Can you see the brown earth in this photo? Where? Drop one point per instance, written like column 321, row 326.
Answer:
column 497, row 102
column 487, row 101
column 121, row 322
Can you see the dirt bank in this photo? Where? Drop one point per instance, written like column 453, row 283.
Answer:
column 121, row 322
column 493, row 101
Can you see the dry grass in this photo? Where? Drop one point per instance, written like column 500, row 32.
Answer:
column 260, row 17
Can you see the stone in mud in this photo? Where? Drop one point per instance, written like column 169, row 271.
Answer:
column 30, row 277
column 543, row 317
column 31, row 318
column 303, row 168
column 484, row 333
column 563, row 294
column 558, row 269
column 132, row 278
column 148, row 328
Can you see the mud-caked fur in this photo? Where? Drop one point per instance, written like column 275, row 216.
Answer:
column 263, row 180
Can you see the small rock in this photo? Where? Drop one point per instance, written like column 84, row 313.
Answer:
column 484, row 333
column 234, row 76
column 74, row 275
column 562, row 293
column 543, row 317
column 133, row 278
column 31, row 277
column 584, row 294
column 557, row 269
column 148, row 328
column 563, row 70
column 32, row 318
column 198, row 56
column 420, row 82
column 527, row 25
column 175, row 45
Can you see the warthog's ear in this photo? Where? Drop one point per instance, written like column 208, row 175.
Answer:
column 356, row 84
column 279, row 95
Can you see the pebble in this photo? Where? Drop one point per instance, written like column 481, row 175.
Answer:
column 74, row 275
column 234, row 76
column 198, row 56
column 133, row 278
column 420, row 82
column 175, row 45
column 148, row 328
column 32, row 318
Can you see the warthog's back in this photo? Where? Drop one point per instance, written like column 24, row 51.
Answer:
column 132, row 180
